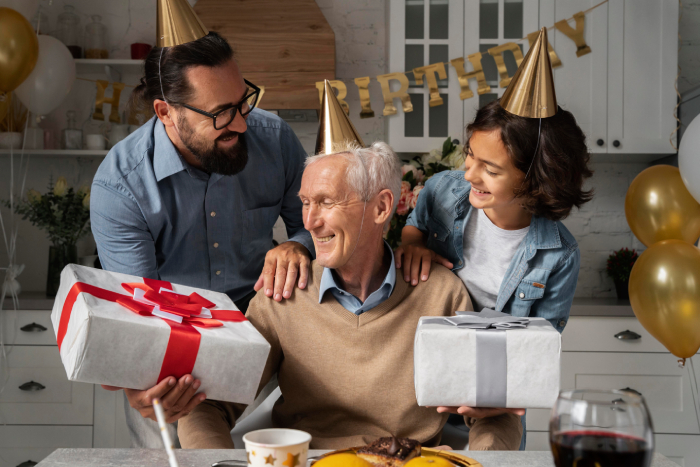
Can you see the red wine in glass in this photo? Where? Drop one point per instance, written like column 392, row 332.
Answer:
column 599, row 449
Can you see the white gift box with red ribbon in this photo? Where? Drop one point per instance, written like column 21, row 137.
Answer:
column 127, row 331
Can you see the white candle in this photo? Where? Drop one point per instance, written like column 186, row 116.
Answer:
column 160, row 415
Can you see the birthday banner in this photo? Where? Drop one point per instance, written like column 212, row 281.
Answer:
column 430, row 73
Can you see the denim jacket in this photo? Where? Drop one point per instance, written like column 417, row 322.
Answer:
column 541, row 278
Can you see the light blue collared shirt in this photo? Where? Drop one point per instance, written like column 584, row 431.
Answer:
column 154, row 215
column 351, row 302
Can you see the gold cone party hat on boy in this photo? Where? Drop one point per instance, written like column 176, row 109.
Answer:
column 531, row 91
column 177, row 24
column 335, row 128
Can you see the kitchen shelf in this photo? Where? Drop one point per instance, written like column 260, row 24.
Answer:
column 57, row 152
column 97, row 65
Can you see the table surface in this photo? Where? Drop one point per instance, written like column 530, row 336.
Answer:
column 205, row 457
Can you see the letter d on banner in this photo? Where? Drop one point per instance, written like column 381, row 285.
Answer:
column 389, row 108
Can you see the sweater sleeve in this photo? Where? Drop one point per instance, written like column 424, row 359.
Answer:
column 209, row 425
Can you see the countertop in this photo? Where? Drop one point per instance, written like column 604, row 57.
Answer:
column 580, row 307
column 205, row 457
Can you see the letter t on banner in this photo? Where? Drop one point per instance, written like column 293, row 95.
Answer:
column 100, row 99
column 342, row 92
column 575, row 35
column 429, row 72
column 463, row 76
column 389, row 96
column 497, row 53
column 363, row 88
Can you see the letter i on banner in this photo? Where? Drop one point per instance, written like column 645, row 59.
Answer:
column 477, row 73
column 429, row 71
column 497, row 53
column 100, row 100
column 575, row 35
column 553, row 57
column 389, row 108
column 342, row 92
column 363, row 88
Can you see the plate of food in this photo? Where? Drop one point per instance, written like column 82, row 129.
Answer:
column 393, row 452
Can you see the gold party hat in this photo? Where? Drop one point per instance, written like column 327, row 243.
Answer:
column 531, row 91
column 335, row 128
column 177, row 24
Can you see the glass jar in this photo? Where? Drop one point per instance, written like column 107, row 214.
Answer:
column 96, row 39
column 40, row 22
column 68, row 31
column 72, row 137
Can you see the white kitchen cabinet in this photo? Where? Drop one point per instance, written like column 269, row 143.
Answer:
column 30, row 444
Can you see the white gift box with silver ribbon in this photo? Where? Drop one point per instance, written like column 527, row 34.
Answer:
column 486, row 359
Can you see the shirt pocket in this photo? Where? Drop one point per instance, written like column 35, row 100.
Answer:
column 257, row 229
column 437, row 236
column 531, row 288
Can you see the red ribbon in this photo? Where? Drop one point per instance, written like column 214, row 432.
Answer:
column 183, row 343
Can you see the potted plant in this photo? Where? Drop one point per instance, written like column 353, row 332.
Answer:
column 65, row 215
column 619, row 268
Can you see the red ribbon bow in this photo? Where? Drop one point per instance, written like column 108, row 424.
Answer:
column 183, row 344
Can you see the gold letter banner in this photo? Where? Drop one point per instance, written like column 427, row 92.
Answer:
column 429, row 72
column 463, row 76
column 363, row 87
column 342, row 92
column 389, row 96
column 577, row 34
column 100, row 99
column 497, row 53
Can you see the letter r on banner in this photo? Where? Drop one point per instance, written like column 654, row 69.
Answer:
column 342, row 92
column 389, row 108
column 100, row 100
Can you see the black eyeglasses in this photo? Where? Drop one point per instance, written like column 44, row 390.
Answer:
column 224, row 117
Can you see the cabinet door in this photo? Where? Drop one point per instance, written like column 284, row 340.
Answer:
column 684, row 450
column 642, row 66
column 581, row 82
column 19, row 444
column 423, row 32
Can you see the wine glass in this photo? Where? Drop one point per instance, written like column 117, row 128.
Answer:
column 590, row 428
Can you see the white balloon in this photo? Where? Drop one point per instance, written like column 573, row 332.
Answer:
column 50, row 81
column 689, row 158
column 26, row 8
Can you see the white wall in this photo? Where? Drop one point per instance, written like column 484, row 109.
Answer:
column 361, row 50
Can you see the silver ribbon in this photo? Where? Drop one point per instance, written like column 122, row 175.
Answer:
column 491, row 352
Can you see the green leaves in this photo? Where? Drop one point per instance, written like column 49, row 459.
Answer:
column 61, row 212
column 620, row 263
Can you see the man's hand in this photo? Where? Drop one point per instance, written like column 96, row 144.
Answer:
column 282, row 265
column 416, row 260
column 479, row 412
column 177, row 399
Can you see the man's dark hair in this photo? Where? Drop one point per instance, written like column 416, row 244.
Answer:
column 555, row 182
column 211, row 50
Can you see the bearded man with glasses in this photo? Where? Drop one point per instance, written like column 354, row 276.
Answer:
column 191, row 197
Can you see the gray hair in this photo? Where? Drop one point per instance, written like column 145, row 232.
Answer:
column 370, row 170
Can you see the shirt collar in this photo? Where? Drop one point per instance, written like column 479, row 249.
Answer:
column 328, row 281
column 166, row 160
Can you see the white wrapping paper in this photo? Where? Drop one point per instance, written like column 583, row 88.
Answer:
column 445, row 365
column 106, row 343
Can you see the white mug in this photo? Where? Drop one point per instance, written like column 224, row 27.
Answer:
column 277, row 447
column 95, row 142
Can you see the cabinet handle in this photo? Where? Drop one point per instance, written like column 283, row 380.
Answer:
column 616, row 143
column 628, row 336
column 600, row 142
column 33, row 327
column 32, row 386
column 633, row 391
column 27, row 464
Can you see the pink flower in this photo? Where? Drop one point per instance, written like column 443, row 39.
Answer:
column 405, row 187
column 414, row 196
column 402, row 207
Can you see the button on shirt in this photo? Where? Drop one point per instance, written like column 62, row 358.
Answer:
column 154, row 215
column 348, row 300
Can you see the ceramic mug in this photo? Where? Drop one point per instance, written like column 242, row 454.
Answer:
column 95, row 142
column 277, row 447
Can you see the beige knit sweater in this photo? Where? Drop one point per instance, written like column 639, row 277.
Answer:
column 345, row 379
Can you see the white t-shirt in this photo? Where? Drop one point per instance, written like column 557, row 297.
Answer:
column 487, row 252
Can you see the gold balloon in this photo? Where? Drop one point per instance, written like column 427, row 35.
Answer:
column 19, row 49
column 664, row 290
column 659, row 207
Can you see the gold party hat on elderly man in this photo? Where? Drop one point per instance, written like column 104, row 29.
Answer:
column 335, row 128
column 177, row 24
column 531, row 91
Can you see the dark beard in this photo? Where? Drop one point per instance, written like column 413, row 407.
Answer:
column 210, row 156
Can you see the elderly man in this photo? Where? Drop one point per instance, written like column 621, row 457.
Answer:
column 343, row 347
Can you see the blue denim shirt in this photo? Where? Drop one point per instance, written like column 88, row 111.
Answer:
column 154, row 215
column 542, row 275
column 351, row 302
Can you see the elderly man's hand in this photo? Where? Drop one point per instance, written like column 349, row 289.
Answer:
column 479, row 412
column 282, row 266
column 416, row 260
column 177, row 397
